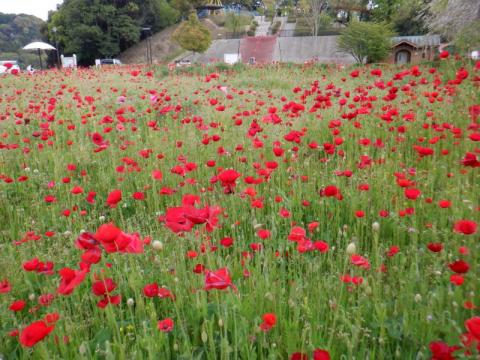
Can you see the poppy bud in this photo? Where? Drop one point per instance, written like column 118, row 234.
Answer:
column 351, row 249
column 157, row 245
column 375, row 226
column 418, row 298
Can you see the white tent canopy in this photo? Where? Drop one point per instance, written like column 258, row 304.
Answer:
column 38, row 45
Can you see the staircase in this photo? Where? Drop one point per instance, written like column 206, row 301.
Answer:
column 263, row 26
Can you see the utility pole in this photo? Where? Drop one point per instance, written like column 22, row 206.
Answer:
column 54, row 30
column 148, row 44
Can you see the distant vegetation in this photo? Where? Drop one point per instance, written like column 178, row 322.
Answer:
column 15, row 32
column 192, row 35
column 105, row 29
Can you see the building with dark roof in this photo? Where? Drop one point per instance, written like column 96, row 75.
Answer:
column 414, row 49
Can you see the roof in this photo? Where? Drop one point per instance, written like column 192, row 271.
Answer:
column 418, row 40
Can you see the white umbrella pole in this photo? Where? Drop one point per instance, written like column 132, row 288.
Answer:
column 40, row 58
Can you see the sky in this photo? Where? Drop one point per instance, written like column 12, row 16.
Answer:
column 39, row 8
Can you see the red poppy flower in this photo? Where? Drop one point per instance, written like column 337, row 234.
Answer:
column 444, row 204
column 5, row 286
column 441, row 351
column 151, row 290
column 103, row 287
column 359, row 260
column 299, row 356
column 34, row 333
column 92, row 256
column 359, row 214
column 473, row 326
column 470, row 160
column 393, row 251
column 226, row 242
column 330, row 191
column 218, row 279
column 157, row 175
column 435, row 247
column 17, row 305
column 319, row 354
column 164, row 293
column 175, row 219
column 466, row 227
column 165, row 325
column 70, row 279
column 114, row 197
column 269, row 321
column 460, row 267
column 138, row 195
column 412, row 193
column 297, row 234
column 263, row 234
column 228, row 179
column 107, row 233
column 457, row 279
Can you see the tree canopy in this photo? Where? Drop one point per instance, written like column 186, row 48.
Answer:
column 456, row 20
column 366, row 42
column 103, row 28
column 193, row 35
column 16, row 31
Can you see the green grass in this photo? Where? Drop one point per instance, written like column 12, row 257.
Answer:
column 392, row 314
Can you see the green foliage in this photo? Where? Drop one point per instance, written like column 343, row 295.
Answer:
column 16, row 31
column 405, row 301
column 325, row 21
column 385, row 9
column 366, row 42
column 407, row 17
column 276, row 27
column 193, row 35
column 93, row 28
column 158, row 14
column 185, row 7
column 451, row 18
column 468, row 39
column 234, row 23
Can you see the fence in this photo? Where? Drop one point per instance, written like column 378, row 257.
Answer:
column 301, row 33
column 235, row 35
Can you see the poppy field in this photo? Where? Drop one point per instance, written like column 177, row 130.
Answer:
column 275, row 212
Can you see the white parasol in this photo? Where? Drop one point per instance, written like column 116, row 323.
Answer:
column 38, row 45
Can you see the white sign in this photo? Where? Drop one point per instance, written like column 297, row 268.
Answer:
column 69, row 62
column 231, row 58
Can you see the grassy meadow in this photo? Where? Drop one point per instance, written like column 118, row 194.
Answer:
column 241, row 213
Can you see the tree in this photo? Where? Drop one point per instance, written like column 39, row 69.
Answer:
column 236, row 23
column 452, row 17
column 468, row 39
column 311, row 10
column 407, row 17
column 103, row 28
column 193, row 35
column 366, row 42
column 16, row 31
column 158, row 14
column 185, row 7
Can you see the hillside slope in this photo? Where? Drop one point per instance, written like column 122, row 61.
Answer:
column 163, row 48
column 16, row 31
